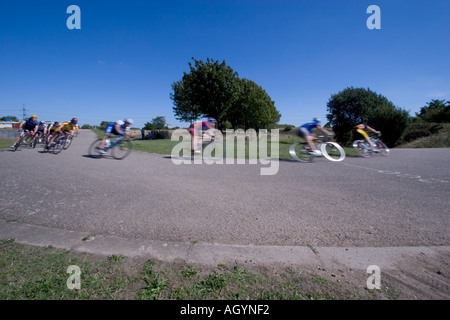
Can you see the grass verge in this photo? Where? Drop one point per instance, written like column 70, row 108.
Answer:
column 35, row 273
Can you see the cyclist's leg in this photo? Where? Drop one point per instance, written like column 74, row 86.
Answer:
column 109, row 129
column 22, row 132
column 365, row 136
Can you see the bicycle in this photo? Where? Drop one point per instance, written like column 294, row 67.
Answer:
column 366, row 151
column 119, row 148
column 60, row 143
column 27, row 138
column 301, row 151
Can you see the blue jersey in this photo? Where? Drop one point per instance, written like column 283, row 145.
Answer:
column 310, row 126
column 30, row 125
column 111, row 127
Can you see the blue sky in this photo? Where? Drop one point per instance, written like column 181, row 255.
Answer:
column 123, row 60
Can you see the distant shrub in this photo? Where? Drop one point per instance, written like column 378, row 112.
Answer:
column 418, row 130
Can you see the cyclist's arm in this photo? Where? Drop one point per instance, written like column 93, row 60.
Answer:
column 21, row 126
column 323, row 130
column 372, row 129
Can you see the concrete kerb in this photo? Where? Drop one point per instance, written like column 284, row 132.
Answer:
column 212, row 254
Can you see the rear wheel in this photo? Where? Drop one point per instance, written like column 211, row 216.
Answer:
column 121, row 149
column 94, row 149
column 332, row 151
column 300, row 151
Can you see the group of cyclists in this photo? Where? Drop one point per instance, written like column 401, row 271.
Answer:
column 48, row 132
column 306, row 131
column 122, row 128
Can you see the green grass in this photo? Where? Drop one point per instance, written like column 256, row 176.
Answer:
column 6, row 143
column 35, row 273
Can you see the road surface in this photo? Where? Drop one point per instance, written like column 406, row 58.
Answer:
column 400, row 200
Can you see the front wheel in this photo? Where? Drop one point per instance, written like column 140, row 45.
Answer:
column 384, row 150
column 301, row 152
column 121, row 150
column 67, row 142
column 332, row 151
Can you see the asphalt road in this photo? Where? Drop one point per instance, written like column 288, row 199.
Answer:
column 400, row 200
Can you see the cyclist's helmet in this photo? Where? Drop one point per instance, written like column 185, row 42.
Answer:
column 56, row 123
column 42, row 122
column 317, row 120
column 128, row 120
column 33, row 116
column 74, row 121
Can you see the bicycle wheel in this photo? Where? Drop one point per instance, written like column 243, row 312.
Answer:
column 57, row 146
column 94, row 149
column 300, row 151
column 33, row 143
column 332, row 151
column 384, row 150
column 121, row 150
column 67, row 142
column 362, row 148
column 19, row 143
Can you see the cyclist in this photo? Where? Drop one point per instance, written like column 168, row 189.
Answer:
column 120, row 128
column 305, row 131
column 42, row 128
column 63, row 128
column 196, row 131
column 31, row 125
column 359, row 130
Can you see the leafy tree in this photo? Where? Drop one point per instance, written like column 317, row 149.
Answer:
column 86, row 126
column 253, row 109
column 435, row 111
column 213, row 89
column 357, row 105
column 157, row 123
column 209, row 89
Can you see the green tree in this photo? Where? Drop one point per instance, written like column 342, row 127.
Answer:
column 209, row 89
column 435, row 111
column 213, row 89
column 254, row 108
column 357, row 105
column 157, row 123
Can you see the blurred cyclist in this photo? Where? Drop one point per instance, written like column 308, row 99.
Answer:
column 359, row 130
column 42, row 128
column 196, row 131
column 305, row 131
column 63, row 128
column 119, row 128
column 31, row 125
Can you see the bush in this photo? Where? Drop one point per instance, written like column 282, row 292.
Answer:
column 418, row 130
